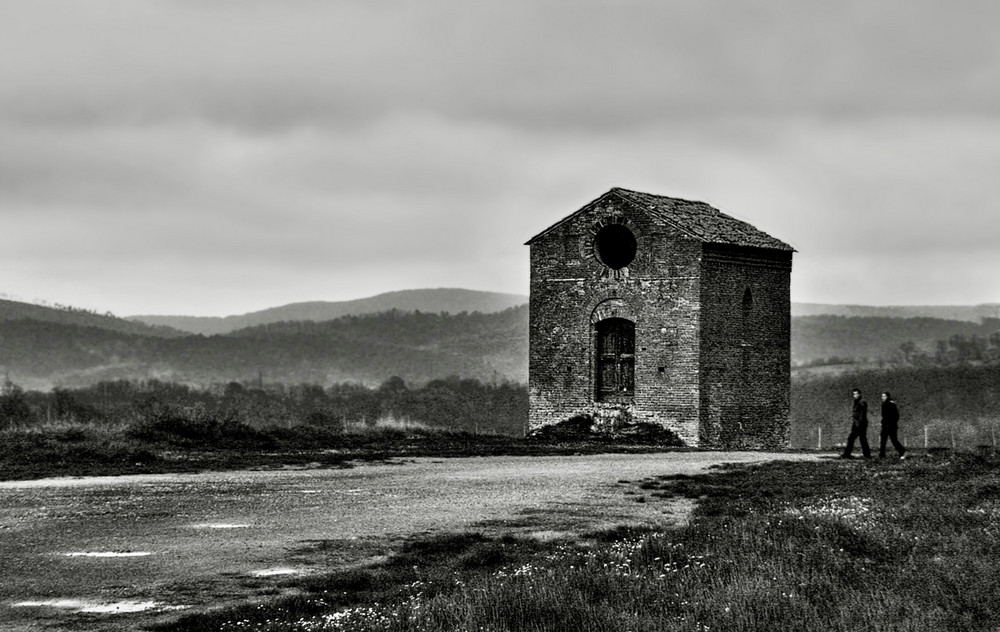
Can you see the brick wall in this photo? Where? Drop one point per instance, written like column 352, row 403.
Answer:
column 745, row 350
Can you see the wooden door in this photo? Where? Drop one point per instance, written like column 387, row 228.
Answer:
column 615, row 359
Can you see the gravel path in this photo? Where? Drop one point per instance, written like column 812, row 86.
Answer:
column 154, row 542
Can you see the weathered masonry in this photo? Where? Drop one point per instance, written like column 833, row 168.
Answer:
column 650, row 309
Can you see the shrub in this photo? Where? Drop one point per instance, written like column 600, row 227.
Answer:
column 573, row 428
column 194, row 427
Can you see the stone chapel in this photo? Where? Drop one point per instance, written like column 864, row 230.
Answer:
column 650, row 309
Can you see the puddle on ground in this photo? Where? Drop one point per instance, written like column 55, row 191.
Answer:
column 98, row 607
column 108, row 554
column 221, row 525
column 270, row 572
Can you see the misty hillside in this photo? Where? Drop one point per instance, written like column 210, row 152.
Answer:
column 455, row 301
column 415, row 346
column 41, row 346
column 868, row 339
column 450, row 300
column 15, row 310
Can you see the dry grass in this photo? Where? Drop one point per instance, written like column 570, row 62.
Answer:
column 186, row 443
column 390, row 422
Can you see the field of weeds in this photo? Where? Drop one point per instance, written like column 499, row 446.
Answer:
column 829, row 545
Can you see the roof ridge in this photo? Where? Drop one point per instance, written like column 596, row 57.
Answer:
column 697, row 219
column 666, row 197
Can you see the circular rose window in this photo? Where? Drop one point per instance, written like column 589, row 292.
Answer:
column 615, row 246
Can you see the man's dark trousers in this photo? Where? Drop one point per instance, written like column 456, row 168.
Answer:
column 889, row 432
column 858, row 431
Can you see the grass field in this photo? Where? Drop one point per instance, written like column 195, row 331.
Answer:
column 830, row 545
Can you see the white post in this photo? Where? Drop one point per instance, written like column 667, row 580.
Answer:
column 925, row 436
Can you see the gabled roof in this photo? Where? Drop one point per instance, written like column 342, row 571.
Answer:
column 695, row 219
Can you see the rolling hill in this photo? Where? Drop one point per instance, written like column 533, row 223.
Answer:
column 454, row 301
column 415, row 346
column 451, row 300
column 15, row 310
column 418, row 335
column 874, row 338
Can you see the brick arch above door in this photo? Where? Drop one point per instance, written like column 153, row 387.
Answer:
column 613, row 308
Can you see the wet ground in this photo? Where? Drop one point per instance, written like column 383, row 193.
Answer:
column 114, row 553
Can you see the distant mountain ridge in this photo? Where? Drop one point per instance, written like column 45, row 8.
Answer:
column 969, row 313
column 456, row 301
column 437, row 300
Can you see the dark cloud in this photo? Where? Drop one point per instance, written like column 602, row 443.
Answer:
column 539, row 64
column 238, row 154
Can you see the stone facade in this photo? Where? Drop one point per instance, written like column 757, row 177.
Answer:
column 649, row 309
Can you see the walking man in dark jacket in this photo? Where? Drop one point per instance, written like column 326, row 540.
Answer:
column 890, row 426
column 859, row 426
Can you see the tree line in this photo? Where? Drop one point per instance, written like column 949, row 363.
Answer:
column 451, row 403
column 956, row 349
column 956, row 404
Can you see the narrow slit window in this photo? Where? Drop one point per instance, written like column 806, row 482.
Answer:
column 746, row 312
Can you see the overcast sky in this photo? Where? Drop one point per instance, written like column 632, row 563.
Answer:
column 214, row 157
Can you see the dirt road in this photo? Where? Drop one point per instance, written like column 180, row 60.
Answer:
column 84, row 552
